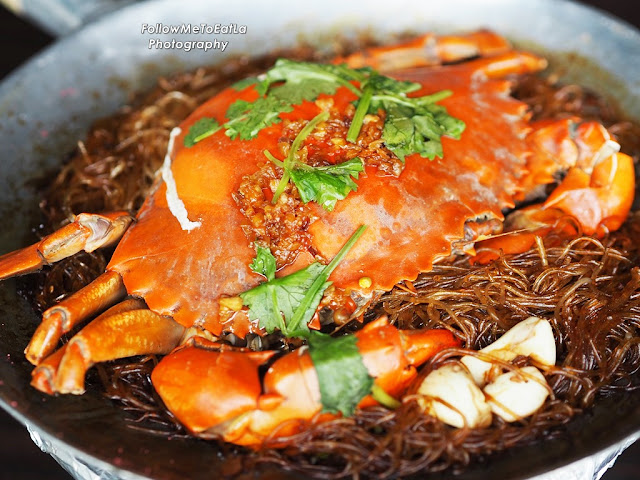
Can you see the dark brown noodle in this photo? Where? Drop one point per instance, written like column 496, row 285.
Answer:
column 587, row 288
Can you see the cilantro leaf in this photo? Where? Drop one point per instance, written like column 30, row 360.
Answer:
column 306, row 80
column 412, row 124
column 343, row 378
column 273, row 302
column 416, row 124
column 200, row 130
column 303, row 89
column 288, row 303
column 328, row 184
column 384, row 84
column 405, row 134
column 288, row 83
column 376, row 84
column 452, row 126
column 291, row 161
column 244, row 83
column 264, row 263
column 246, row 119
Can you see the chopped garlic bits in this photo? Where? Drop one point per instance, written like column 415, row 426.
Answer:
column 465, row 394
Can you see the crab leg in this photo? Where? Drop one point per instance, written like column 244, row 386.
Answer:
column 123, row 331
column 428, row 50
column 44, row 374
column 103, row 292
column 509, row 63
column 87, row 232
column 290, row 390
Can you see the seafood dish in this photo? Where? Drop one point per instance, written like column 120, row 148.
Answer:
column 387, row 260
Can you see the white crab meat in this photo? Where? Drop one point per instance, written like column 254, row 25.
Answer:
column 452, row 396
column 532, row 338
column 517, row 394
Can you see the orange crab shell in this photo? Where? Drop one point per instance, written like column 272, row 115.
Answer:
column 183, row 274
column 197, row 267
column 432, row 199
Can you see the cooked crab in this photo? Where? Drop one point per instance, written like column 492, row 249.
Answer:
column 425, row 185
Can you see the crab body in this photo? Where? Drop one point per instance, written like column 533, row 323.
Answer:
column 476, row 178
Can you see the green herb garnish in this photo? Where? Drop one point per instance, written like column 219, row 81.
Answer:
column 200, row 130
column 288, row 83
column 325, row 184
column 300, row 81
column 264, row 263
column 244, row 83
column 288, row 303
column 343, row 378
column 412, row 124
column 246, row 119
column 290, row 161
column 418, row 128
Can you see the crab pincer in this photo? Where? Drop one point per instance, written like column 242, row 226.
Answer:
column 217, row 392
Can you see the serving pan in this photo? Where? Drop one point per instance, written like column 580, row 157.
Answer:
column 48, row 104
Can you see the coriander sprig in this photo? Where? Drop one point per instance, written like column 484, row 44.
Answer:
column 412, row 124
column 288, row 303
column 290, row 83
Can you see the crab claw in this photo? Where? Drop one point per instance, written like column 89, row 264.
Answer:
column 87, row 232
column 205, row 386
column 597, row 190
column 218, row 393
